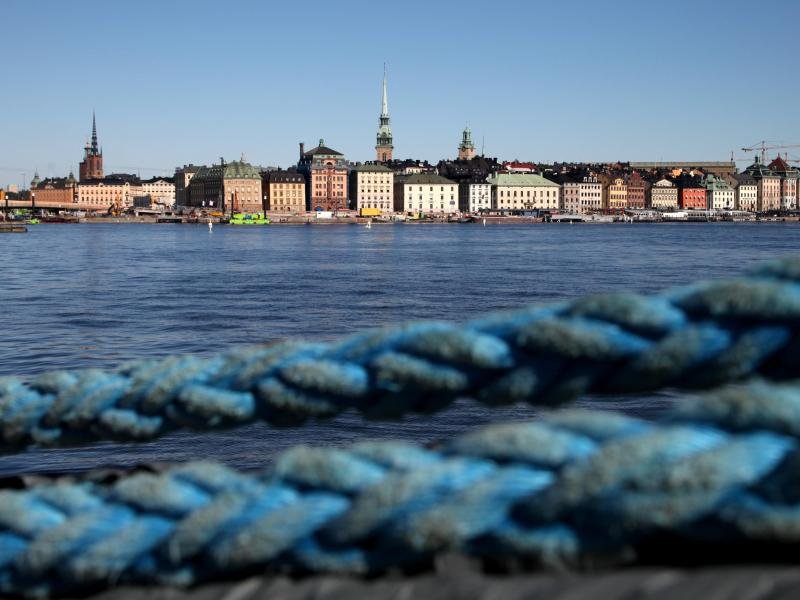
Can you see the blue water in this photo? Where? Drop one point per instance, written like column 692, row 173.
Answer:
column 97, row 295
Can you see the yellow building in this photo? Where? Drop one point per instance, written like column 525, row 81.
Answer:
column 284, row 191
column 617, row 195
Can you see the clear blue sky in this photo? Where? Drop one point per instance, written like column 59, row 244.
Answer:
column 175, row 82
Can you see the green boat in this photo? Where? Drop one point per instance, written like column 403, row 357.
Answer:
column 33, row 221
column 249, row 219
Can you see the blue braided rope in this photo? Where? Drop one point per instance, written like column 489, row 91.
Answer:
column 570, row 489
column 693, row 337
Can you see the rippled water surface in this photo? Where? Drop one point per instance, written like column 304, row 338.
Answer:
column 97, row 295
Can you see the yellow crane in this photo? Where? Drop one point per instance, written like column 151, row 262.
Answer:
column 765, row 145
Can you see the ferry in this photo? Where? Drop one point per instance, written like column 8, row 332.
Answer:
column 249, row 219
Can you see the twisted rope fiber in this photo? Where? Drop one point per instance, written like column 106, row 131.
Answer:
column 693, row 337
column 572, row 488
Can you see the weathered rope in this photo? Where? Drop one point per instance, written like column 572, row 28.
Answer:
column 572, row 488
column 692, row 337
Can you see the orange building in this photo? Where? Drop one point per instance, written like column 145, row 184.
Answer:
column 692, row 197
column 56, row 190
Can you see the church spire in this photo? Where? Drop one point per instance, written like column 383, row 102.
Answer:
column 385, row 97
column 383, row 146
column 95, row 149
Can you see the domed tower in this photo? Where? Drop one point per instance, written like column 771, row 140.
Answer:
column 92, row 165
column 384, row 146
column 466, row 150
column 35, row 181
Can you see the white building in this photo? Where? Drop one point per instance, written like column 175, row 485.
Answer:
column 161, row 190
column 719, row 195
column 372, row 186
column 664, row 195
column 474, row 196
column 517, row 192
column 582, row 196
column 425, row 193
column 747, row 193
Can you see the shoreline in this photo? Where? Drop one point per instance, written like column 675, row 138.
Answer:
column 363, row 222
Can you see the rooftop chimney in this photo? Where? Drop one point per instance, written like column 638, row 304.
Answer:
column 302, row 149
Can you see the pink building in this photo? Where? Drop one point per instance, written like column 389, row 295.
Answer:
column 325, row 171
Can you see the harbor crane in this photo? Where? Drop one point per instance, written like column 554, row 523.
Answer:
column 763, row 146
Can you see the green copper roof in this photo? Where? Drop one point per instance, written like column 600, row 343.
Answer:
column 716, row 184
column 241, row 170
column 426, row 179
column 233, row 170
column 520, row 180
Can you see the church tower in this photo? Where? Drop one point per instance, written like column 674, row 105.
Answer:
column 466, row 150
column 92, row 165
column 384, row 147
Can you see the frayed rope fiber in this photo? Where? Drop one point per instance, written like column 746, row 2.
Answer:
column 573, row 488
column 689, row 338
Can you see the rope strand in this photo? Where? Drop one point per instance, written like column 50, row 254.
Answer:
column 573, row 488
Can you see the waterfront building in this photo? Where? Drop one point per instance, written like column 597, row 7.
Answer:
column 719, row 194
column 571, row 197
column 466, row 150
column 617, row 195
column 663, row 195
column 788, row 178
column 425, row 193
column 230, row 187
column 522, row 192
column 769, row 186
column 581, row 194
column 372, row 187
column 182, row 178
column 284, row 191
column 474, row 195
column 325, row 171
column 91, row 166
column 160, row 190
column 693, row 196
column 746, row 193
column 384, row 145
column 636, row 188
column 55, row 190
column 113, row 193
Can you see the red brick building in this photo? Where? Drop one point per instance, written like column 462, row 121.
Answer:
column 692, row 197
column 637, row 188
column 91, row 166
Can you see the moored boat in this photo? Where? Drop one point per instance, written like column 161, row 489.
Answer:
column 249, row 219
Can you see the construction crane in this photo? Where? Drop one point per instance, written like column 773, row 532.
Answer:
column 762, row 145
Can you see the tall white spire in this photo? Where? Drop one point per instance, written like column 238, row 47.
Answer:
column 385, row 98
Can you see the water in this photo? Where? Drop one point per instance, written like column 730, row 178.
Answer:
column 97, row 295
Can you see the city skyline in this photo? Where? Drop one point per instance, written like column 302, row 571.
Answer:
column 534, row 83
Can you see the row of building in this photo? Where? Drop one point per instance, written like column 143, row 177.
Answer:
column 324, row 180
